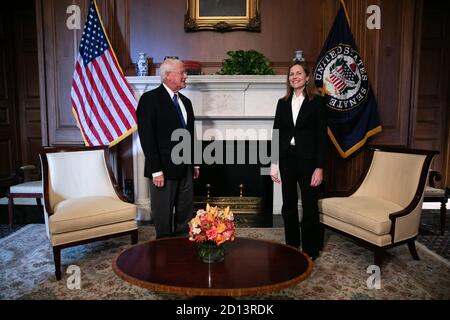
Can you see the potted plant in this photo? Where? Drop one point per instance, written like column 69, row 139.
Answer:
column 249, row 62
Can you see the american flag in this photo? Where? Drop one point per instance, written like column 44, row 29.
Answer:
column 102, row 102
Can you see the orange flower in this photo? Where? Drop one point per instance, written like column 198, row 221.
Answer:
column 212, row 224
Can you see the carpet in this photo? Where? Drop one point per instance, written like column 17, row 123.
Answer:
column 27, row 270
column 430, row 233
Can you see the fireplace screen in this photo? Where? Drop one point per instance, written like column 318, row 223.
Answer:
column 239, row 185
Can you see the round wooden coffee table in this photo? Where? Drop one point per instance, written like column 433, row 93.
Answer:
column 251, row 267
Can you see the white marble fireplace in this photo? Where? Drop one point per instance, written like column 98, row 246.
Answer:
column 226, row 108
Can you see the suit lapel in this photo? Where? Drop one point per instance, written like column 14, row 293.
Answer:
column 288, row 112
column 169, row 103
column 185, row 103
column 304, row 110
column 166, row 96
column 301, row 112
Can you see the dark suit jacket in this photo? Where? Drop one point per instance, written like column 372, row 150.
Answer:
column 310, row 129
column 157, row 118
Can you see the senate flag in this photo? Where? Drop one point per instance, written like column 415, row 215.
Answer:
column 102, row 102
column 341, row 76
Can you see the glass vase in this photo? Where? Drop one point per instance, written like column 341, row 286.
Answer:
column 210, row 252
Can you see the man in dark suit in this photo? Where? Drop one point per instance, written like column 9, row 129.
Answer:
column 160, row 112
column 301, row 124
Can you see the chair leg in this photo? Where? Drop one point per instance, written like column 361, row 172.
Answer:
column 10, row 210
column 443, row 215
column 57, row 259
column 134, row 237
column 39, row 204
column 412, row 249
column 378, row 257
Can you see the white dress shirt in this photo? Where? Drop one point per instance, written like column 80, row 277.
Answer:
column 180, row 102
column 296, row 105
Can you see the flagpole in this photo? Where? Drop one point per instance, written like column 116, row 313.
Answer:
column 107, row 38
column 345, row 10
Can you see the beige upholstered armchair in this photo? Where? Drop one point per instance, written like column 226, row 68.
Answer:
column 384, row 209
column 82, row 199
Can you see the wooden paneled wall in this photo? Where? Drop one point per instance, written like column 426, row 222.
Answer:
column 9, row 158
column 27, row 77
column 59, row 49
column 20, row 121
column 288, row 25
column 430, row 126
column 156, row 27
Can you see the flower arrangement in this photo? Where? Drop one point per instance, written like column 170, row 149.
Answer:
column 214, row 224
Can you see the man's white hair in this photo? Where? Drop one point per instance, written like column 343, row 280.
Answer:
column 167, row 66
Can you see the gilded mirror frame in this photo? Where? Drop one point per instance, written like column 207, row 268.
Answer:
column 193, row 21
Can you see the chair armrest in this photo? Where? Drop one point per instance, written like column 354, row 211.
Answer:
column 28, row 167
column 119, row 192
column 433, row 177
column 24, row 172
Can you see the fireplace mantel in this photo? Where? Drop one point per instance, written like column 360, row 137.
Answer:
column 237, row 107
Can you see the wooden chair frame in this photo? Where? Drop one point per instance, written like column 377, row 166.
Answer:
column 12, row 195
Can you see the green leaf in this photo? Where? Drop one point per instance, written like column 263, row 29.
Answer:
column 249, row 62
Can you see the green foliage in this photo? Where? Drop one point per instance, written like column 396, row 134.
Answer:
column 246, row 62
